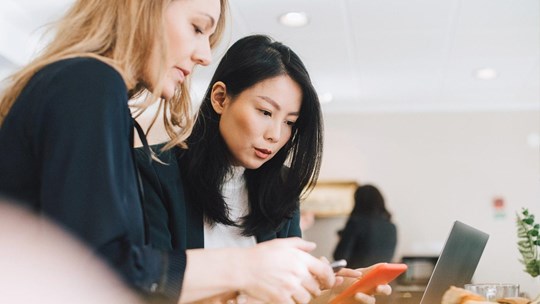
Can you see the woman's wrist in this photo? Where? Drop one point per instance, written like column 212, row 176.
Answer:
column 239, row 275
column 210, row 272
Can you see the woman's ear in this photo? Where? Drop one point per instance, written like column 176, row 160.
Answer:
column 218, row 96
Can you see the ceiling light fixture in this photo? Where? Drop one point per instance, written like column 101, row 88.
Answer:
column 485, row 73
column 294, row 19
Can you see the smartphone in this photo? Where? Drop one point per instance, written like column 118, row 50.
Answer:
column 337, row 265
column 380, row 275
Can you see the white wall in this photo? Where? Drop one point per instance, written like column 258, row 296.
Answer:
column 434, row 168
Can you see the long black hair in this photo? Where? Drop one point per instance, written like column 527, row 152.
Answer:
column 273, row 190
column 369, row 201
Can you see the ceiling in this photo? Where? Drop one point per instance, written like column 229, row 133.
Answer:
column 370, row 55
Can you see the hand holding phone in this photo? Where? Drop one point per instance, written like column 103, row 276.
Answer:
column 381, row 274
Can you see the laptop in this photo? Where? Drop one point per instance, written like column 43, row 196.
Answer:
column 457, row 261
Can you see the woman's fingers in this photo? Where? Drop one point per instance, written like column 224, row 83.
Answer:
column 339, row 281
column 297, row 243
column 367, row 299
column 368, row 269
column 311, row 285
column 301, row 296
column 383, row 290
column 364, row 298
column 349, row 273
column 322, row 271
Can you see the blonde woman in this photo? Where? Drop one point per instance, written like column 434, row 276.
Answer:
column 66, row 138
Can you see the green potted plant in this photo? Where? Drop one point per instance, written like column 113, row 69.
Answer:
column 529, row 244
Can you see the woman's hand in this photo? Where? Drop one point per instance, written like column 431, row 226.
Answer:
column 282, row 271
column 277, row 271
column 346, row 277
column 370, row 299
column 385, row 290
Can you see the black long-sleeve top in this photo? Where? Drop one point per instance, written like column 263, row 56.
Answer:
column 66, row 152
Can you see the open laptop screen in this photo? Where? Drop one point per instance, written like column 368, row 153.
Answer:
column 457, row 261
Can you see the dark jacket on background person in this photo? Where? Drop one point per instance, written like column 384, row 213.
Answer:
column 366, row 240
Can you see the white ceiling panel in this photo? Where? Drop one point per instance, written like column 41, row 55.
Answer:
column 371, row 55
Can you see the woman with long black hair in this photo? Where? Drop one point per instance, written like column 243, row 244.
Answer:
column 255, row 148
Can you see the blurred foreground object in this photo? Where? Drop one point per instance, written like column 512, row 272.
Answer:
column 42, row 264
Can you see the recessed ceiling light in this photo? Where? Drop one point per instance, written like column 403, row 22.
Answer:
column 326, row 97
column 485, row 73
column 294, row 19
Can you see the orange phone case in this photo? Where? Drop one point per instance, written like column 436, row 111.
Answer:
column 380, row 275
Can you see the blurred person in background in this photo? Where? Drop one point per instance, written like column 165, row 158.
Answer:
column 369, row 236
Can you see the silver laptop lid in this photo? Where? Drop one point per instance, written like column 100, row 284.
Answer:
column 457, row 261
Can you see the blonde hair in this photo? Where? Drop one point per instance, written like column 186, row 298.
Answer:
column 121, row 33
